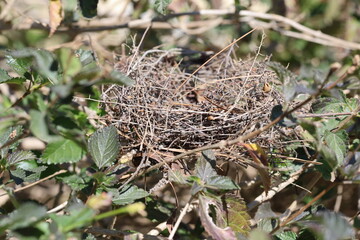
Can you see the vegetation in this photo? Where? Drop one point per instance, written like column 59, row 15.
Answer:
column 86, row 151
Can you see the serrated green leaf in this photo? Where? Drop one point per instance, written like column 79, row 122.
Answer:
column 328, row 105
column 288, row 235
column 63, row 151
column 7, row 136
column 26, row 215
column 15, row 80
column 161, row 6
column 76, row 182
column 19, row 65
column 128, row 195
column 46, row 64
column 104, row 146
column 221, row 182
column 19, row 156
column 178, row 177
column 204, row 170
column 337, row 143
column 88, row 8
column 27, row 171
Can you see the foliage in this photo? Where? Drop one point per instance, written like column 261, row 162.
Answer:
column 54, row 96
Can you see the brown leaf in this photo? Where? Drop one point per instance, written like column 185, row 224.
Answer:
column 259, row 157
column 215, row 231
column 55, row 14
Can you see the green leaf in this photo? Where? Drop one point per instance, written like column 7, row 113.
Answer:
column 76, row 182
column 27, row 171
column 208, row 176
column 221, row 182
column 178, row 177
column 80, row 217
column 19, row 156
column 337, row 142
column 88, row 8
column 26, row 215
column 4, row 76
column 104, row 146
column 19, row 65
column 63, row 151
column 288, row 235
column 7, row 136
column 70, row 64
column 204, row 170
column 46, row 64
column 129, row 194
column 328, row 105
column 161, row 6
column 38, row 127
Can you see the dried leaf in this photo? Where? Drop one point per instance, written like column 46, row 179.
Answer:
column 265, row 177
column 55, row 13
column 215, row 231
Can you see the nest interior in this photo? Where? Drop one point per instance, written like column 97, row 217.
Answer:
column 168, row 107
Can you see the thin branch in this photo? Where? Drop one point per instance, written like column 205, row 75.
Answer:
column 178, row 221
column 37, row 182
column 252, row 18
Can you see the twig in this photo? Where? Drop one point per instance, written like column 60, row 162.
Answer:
column 217, row 54
column 253, row 18
column 274, row 190
column 178, row 221
column 58, row 208
column 135, row 173
column 301, row 210
column 323, row 115
column 37, row 182
column 339, row 197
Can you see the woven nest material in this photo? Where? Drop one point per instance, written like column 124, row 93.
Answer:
column 170, row 108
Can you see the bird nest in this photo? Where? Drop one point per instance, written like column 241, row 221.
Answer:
column 168, row 107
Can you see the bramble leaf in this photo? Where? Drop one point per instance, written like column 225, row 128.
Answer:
column 45, row 62
column 215, row 231
column 104, row 146
column 19, row 156
column 26, row 215
column 62, row 151
column 337, row 142
column 161, row 5
column 128, row 195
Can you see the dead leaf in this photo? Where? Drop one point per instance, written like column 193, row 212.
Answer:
column 215, row 231
column 259, row 157
column 55, row 14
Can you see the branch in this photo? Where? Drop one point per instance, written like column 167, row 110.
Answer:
column 275, row 22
